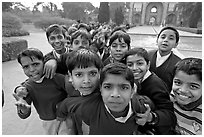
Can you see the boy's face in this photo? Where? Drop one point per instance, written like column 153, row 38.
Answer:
column 57, row 40
column 32, row 68
column 118, row 48
column 79, row 42
column 85, row 80
column 116, row 92
column 167, row 41
column 187, row 88
column 138, row 65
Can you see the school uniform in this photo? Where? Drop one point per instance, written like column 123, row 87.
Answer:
column 96, row 114
column 154, row 88
column 165, row 69
column 45, row 95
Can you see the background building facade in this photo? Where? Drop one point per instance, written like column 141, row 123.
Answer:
column 153, row 13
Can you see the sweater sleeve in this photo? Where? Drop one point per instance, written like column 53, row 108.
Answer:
column 48, row 56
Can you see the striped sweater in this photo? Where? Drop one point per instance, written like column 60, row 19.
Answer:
column 188, row 122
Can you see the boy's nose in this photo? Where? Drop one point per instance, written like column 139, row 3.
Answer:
column 86, row 79
column 115, row 93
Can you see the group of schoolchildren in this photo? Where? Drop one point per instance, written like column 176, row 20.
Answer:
column 93, row 82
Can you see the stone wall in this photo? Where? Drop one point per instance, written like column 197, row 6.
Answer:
column 11, row 47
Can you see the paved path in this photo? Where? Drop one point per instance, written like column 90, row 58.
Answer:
column 12, row 75
column 154, row 30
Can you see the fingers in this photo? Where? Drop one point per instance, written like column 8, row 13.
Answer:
column 148, row 108
column 16, row 97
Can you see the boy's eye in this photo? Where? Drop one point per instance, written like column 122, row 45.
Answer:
column 85, row 43
column 177, row 82
column 107, row 86
column 93, row 73
column 36, row 64
column 123, row 45
column 76, row 42
column 194, row 87
column 25, row 67
column 129, row 64
column 125, row 87
column 114, row 45
column 78, row 74
column 52, row 38
column 60, row 37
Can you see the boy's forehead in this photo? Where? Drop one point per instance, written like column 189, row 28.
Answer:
column 115, row 79
column 27, row 59
column 56, row 32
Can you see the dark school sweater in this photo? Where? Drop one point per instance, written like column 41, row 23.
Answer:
column 165, row 71
column 93, row 112
column 154, row 88
column 45, row 96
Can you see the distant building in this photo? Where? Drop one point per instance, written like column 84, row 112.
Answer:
column 153, row 13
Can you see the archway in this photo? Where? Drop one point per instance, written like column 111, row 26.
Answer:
column 154, row 11
column 137, row 19
column 171, row 19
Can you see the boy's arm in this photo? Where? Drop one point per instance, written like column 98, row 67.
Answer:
column 50, row 65
column 67, row 106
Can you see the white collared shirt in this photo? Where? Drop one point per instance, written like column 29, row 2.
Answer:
column 122, row 119
column 161, row 59
column 40, row 80
column 147, row 74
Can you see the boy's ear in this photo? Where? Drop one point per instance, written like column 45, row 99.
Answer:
column 70, row 76
column 176, row 45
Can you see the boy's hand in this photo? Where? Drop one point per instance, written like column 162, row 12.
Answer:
column 145, row 117
column 21, row 92
column 50, row 68
column 21, row 103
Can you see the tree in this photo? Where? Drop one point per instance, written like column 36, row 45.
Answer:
column 113, row 7
column 119, row 16
column 77, row 10
column 6, row 6
column 186, row 9
column 104, row 13
column 195, row 15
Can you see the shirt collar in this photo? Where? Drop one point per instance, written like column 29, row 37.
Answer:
column 122, row 119
column 163, row 57
column 40, row 80
column 147, row 74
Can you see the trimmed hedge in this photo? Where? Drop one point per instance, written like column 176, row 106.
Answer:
column 45, row 22
column 11, row 47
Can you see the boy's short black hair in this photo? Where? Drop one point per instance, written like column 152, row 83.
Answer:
column 138, row 51
column 171, row 28
column 30, row 52
column 117, row 69
column 55, row 28
column 85, row 26
column 83, row 58
column 118, row 35
column 81, row 33
column 191, row 66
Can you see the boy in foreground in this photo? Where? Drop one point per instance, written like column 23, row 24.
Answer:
column 111, row 110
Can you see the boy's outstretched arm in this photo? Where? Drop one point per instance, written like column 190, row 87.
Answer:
column 23, row 108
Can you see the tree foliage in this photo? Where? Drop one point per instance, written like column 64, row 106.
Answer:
column 6, row 6
column 190, row 12
column 119, row 16
column 77, row 10
column 195, row 15
column 104, row 13
column 113, row 7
